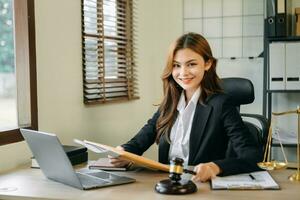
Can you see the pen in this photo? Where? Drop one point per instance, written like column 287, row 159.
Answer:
column 252, row 177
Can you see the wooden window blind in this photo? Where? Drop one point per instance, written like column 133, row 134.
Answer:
column 109, row 72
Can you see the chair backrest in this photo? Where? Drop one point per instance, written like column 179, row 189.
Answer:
column 241, row 92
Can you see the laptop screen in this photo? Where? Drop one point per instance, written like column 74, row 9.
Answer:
column 53, row 161
column 51, row 157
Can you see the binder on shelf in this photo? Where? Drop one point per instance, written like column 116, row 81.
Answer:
column 270, row 20
column 292, row 65
column 283, row 18
column 281, row 30
column 277, row 66
column 297, row 13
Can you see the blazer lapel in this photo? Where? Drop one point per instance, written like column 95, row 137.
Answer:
column 202, row 113
column 163, row 150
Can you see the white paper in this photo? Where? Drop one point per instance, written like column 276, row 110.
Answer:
column 259, row 180
column 95, row 148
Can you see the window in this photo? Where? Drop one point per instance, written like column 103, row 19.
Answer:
column 8, row 116
column 108, row 51
column 18, row 101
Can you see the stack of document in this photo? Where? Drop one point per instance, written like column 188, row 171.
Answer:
column 248, row 181
column 104, row 164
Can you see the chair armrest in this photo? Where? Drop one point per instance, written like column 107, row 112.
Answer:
column 263, row 122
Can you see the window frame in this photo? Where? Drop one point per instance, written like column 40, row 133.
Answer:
column 25, row 6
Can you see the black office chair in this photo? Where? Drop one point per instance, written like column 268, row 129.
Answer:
column 241, row 91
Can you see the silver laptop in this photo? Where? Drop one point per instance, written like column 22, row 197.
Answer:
column 56, row 165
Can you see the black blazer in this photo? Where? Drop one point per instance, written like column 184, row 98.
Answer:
column 215, row 123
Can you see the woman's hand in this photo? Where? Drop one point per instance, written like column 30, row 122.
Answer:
column 206, row 171
column 119, row 162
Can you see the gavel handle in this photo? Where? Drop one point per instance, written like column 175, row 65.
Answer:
column 189, row 171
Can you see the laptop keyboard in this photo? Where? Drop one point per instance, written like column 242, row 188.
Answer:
column 91, row 181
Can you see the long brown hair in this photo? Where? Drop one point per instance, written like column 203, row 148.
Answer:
column 172, row 91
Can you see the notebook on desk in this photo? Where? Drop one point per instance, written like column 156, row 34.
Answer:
column 54, row 163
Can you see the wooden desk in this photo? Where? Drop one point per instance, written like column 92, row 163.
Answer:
column 31, row 184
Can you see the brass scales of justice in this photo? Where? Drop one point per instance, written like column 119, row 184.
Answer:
column 267, row 164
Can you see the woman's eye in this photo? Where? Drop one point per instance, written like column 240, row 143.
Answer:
column 192, row 64
column 176, row 65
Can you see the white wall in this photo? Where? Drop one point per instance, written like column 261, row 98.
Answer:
column 59, row 76
column 158, row 24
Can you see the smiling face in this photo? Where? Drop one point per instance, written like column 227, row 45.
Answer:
column 188, row 70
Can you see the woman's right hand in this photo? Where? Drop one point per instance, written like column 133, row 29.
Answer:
column 119, row 162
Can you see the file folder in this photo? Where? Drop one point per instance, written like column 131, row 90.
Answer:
column 270, row 20
column 283, row 18
column 112, row 151
column 292, row 66
column 297, row 13
column 281, row 26
column 277, row 66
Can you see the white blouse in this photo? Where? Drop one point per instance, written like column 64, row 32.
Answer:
column 181, row 130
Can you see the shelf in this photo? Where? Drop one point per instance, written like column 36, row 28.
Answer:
column 282, row 91
column 284, row 145
column 284, row 39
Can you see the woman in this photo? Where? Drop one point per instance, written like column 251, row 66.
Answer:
column 195, row 121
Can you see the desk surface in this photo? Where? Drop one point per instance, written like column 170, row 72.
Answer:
column 29, row 183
